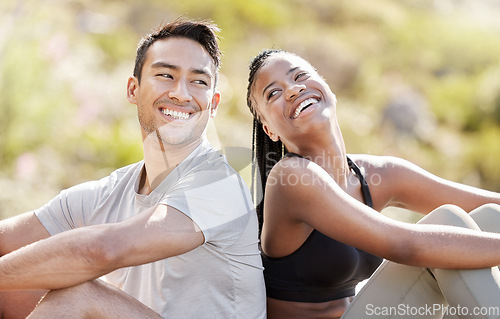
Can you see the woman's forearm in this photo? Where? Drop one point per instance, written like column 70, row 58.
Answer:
column 448, row 247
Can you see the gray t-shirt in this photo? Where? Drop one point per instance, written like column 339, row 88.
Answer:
column 221, row 278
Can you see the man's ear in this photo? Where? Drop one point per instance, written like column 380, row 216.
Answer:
column 215, row 104
column 132, row 87
column 274, row 137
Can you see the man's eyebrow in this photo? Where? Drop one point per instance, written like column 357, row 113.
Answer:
column 161, row 64
column 272, row 83
column 202, row 72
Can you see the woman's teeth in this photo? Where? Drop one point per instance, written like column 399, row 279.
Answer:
column 303, row 105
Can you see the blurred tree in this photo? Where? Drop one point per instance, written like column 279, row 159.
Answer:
column 64, row 66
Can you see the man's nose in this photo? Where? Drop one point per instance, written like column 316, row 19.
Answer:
column 180, row 92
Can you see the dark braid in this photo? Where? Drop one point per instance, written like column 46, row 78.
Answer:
column 265, row 152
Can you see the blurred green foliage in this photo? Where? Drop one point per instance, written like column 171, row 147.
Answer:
column 417, row 79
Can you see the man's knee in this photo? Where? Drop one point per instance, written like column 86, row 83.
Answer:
column 18, row 304
column 60, row 303
column 93, row 299
column 72, row 295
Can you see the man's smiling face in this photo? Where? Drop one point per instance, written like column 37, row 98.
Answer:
column 176, row 95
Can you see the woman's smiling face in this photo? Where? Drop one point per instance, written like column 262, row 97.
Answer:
column 290, row 96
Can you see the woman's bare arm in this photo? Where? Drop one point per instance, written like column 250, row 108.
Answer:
column 319, row 202
column 400, row 183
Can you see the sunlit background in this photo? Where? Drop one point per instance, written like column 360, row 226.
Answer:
column 418, row 79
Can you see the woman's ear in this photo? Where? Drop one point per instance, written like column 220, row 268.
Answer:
column 274, row 137
column 132, row 86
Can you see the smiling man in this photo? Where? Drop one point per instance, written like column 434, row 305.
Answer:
column 176, row 231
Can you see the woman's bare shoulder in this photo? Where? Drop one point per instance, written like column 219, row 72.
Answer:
column 383, row 166
column 377, row 161
column 295, row 173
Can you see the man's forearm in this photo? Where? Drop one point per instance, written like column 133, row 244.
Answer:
column 60, row 261
column 86, row 253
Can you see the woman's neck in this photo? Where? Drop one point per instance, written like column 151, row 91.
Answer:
column 329, row 152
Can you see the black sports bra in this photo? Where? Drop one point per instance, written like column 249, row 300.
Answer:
column 322, row 269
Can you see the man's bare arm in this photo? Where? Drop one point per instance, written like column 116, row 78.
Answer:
column 86, row 253
column 16, row 232
column 20, row 230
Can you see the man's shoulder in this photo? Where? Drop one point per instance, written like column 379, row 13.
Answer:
column 216, row 170
column 119, row 178
column 207, row 162
column 125, row 172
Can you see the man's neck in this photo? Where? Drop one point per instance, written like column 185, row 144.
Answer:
column 160, row 160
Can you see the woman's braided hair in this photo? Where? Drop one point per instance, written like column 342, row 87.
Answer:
column 265, row 152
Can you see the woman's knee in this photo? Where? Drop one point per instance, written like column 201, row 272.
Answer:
column 490, row 208
column 487, row 217
column 450, row 215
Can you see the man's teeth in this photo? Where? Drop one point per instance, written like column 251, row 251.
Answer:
column 303, row 105
column 175, row 114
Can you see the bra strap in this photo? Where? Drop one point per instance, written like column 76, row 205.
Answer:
column 364, row 185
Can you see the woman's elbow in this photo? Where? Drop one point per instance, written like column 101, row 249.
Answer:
column 403, row 253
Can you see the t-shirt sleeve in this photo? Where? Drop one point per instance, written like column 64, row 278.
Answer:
column 217, row 200
column 70, row 209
